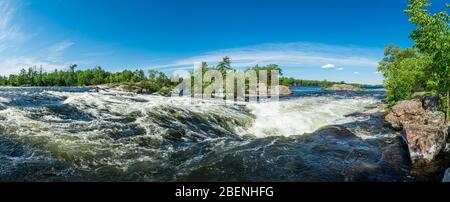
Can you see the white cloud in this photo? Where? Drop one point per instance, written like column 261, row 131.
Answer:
column 14, row 65
column 355, row 72
column 56, row 51
column 328, row 66
column 49, row 59
column 13, row 39
column 9, row 32
column 340, row 69
column 293, row 55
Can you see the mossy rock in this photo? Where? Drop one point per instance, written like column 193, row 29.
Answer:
column 148, row 141
column 249, row 136
column 165, row 90
column 420, row 95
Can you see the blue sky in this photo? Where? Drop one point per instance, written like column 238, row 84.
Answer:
column 320, row 39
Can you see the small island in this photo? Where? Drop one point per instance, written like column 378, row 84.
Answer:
column 343, row 87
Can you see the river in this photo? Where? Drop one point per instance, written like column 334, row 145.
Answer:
column 71, row 134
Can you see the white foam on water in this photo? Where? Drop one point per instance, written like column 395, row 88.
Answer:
column 88, row 144
column 303, row 115
column 4, row 100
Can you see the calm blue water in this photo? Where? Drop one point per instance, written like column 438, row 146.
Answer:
column 308, row 89
column 314, row 91
column 318, row 89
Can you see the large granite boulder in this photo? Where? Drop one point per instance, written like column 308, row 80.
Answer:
column 425, row 130
column 284, row 90
column 123, row 88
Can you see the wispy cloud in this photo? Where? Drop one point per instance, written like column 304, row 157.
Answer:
column 56, row 51
column 355, row 72
column 97, row 53
column 48, row 59
column 340, row 69
column 294, row 55
column 9, row 32
column 14, row 65
column 12, row 39
column 328, row 66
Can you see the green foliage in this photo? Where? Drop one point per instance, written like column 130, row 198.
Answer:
column 427, row 66
column 224, row 65
column 3, row 81
column 268, row 68
column 404, row 73
column 165, row 90
column 432, row 37
column 290, row 81
column 96, row 76
column 154, row 81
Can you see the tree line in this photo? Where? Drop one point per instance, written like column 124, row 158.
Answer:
column 425, row 67
column 225, row 65
column 153, row 80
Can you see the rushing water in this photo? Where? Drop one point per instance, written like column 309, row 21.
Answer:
column 70, row 134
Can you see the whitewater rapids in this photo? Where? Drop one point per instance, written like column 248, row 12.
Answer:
column 109, row 136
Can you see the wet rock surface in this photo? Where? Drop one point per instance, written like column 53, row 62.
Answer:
column 426, row 133
column 425, row 130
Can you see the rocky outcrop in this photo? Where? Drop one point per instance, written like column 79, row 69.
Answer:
column 140, row 90
column 425, row 129
column 123, row 88
column 284, row 90
column 431, row 103
column 343, row 87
